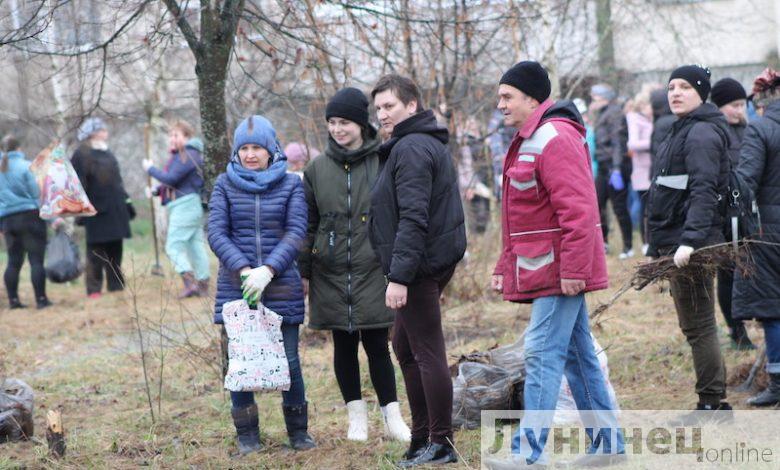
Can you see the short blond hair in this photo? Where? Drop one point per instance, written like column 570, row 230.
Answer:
column 182, row 126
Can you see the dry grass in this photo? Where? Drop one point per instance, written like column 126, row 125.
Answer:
column 82, row 357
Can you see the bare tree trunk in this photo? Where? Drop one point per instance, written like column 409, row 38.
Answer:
column 56, row 83
column 606, row 43
column 547, row 11
column 407, row 28
column 212, row 51
column 20, row 64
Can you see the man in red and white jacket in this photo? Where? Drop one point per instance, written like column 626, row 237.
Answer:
column 552, row 254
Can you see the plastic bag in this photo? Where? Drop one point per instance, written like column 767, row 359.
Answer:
column 479, row 387
column 256, row 358
column 61, row 191
column 63, row 262
column 510, row 358
column 16, row 410
column 566, row 408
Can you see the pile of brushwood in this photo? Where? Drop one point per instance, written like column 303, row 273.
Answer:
column 707, row 259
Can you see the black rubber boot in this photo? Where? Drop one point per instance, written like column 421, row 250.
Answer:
column 247, row 424
column 770, row 396
column 296, row 418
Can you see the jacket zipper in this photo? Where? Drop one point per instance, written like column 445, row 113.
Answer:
column 349, row 246
column 258, row 236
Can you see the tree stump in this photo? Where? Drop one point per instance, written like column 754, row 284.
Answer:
column 55, row 434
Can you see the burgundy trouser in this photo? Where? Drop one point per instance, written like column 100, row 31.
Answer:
column 418, row 342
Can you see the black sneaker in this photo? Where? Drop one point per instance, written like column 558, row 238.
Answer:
column 416, row 447
column 723, row 413
column 15, row 303
column 43, row 302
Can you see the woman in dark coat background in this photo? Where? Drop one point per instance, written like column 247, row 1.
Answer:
column 257, row 222
column 345, row 280
column 730, row 97
column 98, row 170
column 758, row 296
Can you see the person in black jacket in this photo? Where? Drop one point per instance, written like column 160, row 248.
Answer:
column 758, row 295
column 417, row 230
column 98, row 171
column 689, row 175
column 614, row 168
column 730, row 97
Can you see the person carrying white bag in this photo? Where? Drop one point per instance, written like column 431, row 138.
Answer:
column 256, row 358
column 257, row 223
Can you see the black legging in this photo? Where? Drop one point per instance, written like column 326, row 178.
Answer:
column 25, row 232
column 619, row 199
column 104, row 257
column 380, row 367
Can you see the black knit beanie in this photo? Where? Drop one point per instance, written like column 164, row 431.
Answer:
column 529, row 77
column 349, row 103
column 726, row 90
column 697, row 75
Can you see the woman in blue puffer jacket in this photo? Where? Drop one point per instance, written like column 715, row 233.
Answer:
column 257, row 224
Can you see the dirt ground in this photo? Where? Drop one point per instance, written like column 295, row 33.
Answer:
column 83, row 357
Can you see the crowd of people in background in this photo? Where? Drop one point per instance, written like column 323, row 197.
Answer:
column 370, row 231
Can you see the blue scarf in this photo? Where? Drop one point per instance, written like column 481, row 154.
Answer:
column 256, row 181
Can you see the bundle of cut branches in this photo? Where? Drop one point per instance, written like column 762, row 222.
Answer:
column 707, row 259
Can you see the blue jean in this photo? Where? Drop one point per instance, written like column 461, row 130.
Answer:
column 297, row 393
column 558, row 342
column 772, row 339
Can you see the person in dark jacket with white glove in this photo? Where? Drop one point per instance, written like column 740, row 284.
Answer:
column 690, row 176
column 730, row 97
column 758, row 296
column 417, row 229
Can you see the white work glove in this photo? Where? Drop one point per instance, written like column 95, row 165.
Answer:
column 254, row 283
column 683, row 256
column 147, row 163
column 148, row 192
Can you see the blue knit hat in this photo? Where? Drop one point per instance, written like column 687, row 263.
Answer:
column 257, row 130
column 89, row 127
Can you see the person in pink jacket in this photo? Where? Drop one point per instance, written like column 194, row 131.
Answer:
column 640, row 129
column 552, row 254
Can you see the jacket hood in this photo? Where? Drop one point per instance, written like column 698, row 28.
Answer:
column 340, row 154
column 195, row 143
column 660, row 103
column 422, row 123
column 564, row 109
column 773, row 111
column 707, row 112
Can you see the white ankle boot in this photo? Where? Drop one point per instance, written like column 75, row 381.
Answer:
column 395, row 427
column 358, row 420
